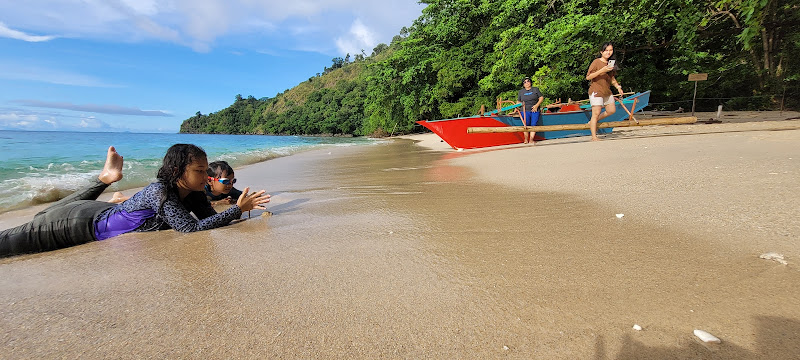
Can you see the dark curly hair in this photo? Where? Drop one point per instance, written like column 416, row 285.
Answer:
column 217, row 168
column 178, row 157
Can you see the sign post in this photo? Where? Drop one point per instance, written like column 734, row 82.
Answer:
column 696, row 77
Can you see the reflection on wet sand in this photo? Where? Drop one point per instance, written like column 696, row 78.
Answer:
column 392, row 251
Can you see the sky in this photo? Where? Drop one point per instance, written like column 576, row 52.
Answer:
column 147, row 65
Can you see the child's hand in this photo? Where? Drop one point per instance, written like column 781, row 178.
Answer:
column 252, row 201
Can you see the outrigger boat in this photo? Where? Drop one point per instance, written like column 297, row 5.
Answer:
column 455, row 131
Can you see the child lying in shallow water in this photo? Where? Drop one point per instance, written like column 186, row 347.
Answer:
column 219, row 190
column 167, row 203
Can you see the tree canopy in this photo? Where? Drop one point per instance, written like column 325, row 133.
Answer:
column 461, row 54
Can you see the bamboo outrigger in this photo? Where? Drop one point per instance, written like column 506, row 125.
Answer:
column 499, row 127
column 585, row 126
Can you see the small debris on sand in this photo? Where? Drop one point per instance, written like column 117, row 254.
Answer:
column 774, row 256
column 706, row 337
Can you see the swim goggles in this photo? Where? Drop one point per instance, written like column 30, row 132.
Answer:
column 223, row 181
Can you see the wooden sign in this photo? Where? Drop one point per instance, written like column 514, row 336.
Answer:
column 698, row 77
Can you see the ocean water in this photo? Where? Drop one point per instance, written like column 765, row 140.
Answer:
column 40, row 167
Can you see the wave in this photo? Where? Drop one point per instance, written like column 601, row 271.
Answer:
column 23, row 186
column 52, row 182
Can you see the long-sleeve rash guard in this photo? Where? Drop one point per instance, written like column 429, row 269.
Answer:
column 143, row 212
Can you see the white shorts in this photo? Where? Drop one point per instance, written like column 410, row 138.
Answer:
column 599, row 100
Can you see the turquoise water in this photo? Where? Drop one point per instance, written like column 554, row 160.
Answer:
column 39, row 167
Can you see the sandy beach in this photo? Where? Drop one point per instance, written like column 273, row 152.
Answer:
column 409, row 249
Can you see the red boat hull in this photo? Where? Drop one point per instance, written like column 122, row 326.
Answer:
column 455, row 132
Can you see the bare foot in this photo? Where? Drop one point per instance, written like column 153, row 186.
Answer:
column 118, row 197
column 112, row 171
column 595, row 139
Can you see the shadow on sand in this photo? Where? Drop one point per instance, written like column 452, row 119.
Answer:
column 775, row 338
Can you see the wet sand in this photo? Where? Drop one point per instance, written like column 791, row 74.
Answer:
column 406, row 250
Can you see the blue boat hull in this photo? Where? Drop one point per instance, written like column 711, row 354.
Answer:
column 454, row 131
column 581, row 116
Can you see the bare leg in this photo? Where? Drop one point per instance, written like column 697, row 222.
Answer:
column 610, row 110
column 593, row 122
column 112, row 171
column 67, row 222
column 524, row 116
column 597, row 116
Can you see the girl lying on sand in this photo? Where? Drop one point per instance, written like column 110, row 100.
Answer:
column 219, row 190
column 167, row 203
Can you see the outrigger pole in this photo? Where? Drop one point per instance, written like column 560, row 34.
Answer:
column 585, row 126
column 602, row 125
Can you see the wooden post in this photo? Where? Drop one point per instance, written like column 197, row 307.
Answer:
column 585, row 126
column 696, row 77
column 522, row 116
column 633, row 108
column 783, row 99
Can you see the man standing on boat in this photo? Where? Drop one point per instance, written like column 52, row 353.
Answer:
column 530, row 97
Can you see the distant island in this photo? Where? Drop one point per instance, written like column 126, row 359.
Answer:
column 458, row 56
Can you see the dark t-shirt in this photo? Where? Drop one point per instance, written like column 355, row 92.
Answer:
column 234, row 194
column 529, row 97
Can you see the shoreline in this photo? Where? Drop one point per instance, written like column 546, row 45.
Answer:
column 18, row 216
column 53, row 174
column 397, row 250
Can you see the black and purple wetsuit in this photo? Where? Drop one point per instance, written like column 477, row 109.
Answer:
column 78, row 218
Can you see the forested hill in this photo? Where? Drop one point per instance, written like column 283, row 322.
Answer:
column 329, row 103
column 461, row 54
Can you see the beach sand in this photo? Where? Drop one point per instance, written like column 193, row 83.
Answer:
column 409, row 249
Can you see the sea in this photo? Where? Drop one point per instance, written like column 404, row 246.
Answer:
column 39, row 167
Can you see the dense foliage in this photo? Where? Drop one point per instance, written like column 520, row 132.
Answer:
column 461, row 54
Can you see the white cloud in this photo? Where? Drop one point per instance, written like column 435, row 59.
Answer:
column 11, row 119
column 359, row 37
column 91, row 123
column 19, row 35
column 144, row 7
column 21, row 121
column 102, row 109
column 199, row 24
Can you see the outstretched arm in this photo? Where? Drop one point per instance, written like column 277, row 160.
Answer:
column 178, row 217
column 252, row 201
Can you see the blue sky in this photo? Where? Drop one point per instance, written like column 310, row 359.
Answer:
column 146, row 65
